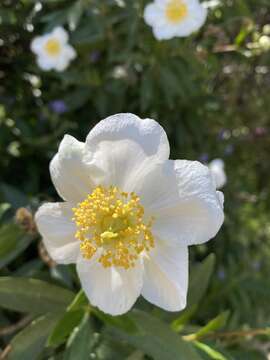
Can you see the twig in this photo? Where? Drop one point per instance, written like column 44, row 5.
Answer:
column 228, row 334
column 5, row 352
column 243, row 333
column 8, row 330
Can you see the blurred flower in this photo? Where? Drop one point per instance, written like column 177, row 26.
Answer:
column 170, row 18
column 260, row 131
column 224, row 134
column 264, row 42
column 58, row 106
column 119, row 72
column 53, row 50
column 129, row 214
column 218, row 173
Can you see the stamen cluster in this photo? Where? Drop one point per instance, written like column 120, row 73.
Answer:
column 110, row 223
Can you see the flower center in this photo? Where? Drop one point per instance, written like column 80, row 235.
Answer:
column 176, row 11
column 53, row 47
column 110, row 222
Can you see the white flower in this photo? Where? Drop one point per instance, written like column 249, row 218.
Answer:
column 129, row 214
column 170, row 18
column 218, row 172
column 53, row 50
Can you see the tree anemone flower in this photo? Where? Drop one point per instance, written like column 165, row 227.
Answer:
column 129, row 214
column 53, row 50
column 170, row 18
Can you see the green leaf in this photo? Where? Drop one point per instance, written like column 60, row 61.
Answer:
column 213, row 325
column 81, row 341
column 178, row 324
column 64, row 327
column 123, row 322
column 80, row 301
column 33, row 296
column 213, row 354
column 29, row 343
column 75, row 13
column 3, row 208
column 12, row 243
column 199, row 280
column 156, row 339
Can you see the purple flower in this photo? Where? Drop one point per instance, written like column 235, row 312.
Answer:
column 58, row 106
column 224, row 134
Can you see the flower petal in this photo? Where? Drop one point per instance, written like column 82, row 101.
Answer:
column 58, row 232
column 123, row 145
column 152, row 14
column 182, row 197
column 61, row 34
column 166, row 277
column 218, row 173
column 70, row 174
column 112, row 290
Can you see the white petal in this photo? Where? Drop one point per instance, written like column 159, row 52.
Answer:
column 37, row 44
column 124, row 146
column 182, row 197
column 45, row 63
column 218, row 173
column 112, row 290
column 61, row 34
column 70, row 52
column 70, row 174
column 152, row 14
column 58, row 232
column 164, row 32
column 166, row 277
column 63, row 60
column 196, row 18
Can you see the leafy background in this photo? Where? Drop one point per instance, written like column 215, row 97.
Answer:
column 211, row 92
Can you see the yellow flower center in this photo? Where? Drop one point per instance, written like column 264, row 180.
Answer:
column 176, row 11
column 110, row 222
column 53, row 47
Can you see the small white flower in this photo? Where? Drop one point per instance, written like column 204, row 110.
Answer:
column 129, row 214
column 53, row 50
column 170, row 18
column 218, row 172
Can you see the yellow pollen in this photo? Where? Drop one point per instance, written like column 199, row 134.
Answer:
column 53, row 47
column 112, row 224
column 176, row 11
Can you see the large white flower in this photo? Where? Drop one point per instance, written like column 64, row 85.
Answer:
column 217, row 169
column 53, row 50
column 170, row 18
column 129, row 214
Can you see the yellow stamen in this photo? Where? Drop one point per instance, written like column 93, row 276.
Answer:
column 53, row 47
column 176, row 11
column 112, row 223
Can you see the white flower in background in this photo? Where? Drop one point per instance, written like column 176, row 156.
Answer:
column 53, row 50
column 170, row 18
column 218, row 172
column 129, row 214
